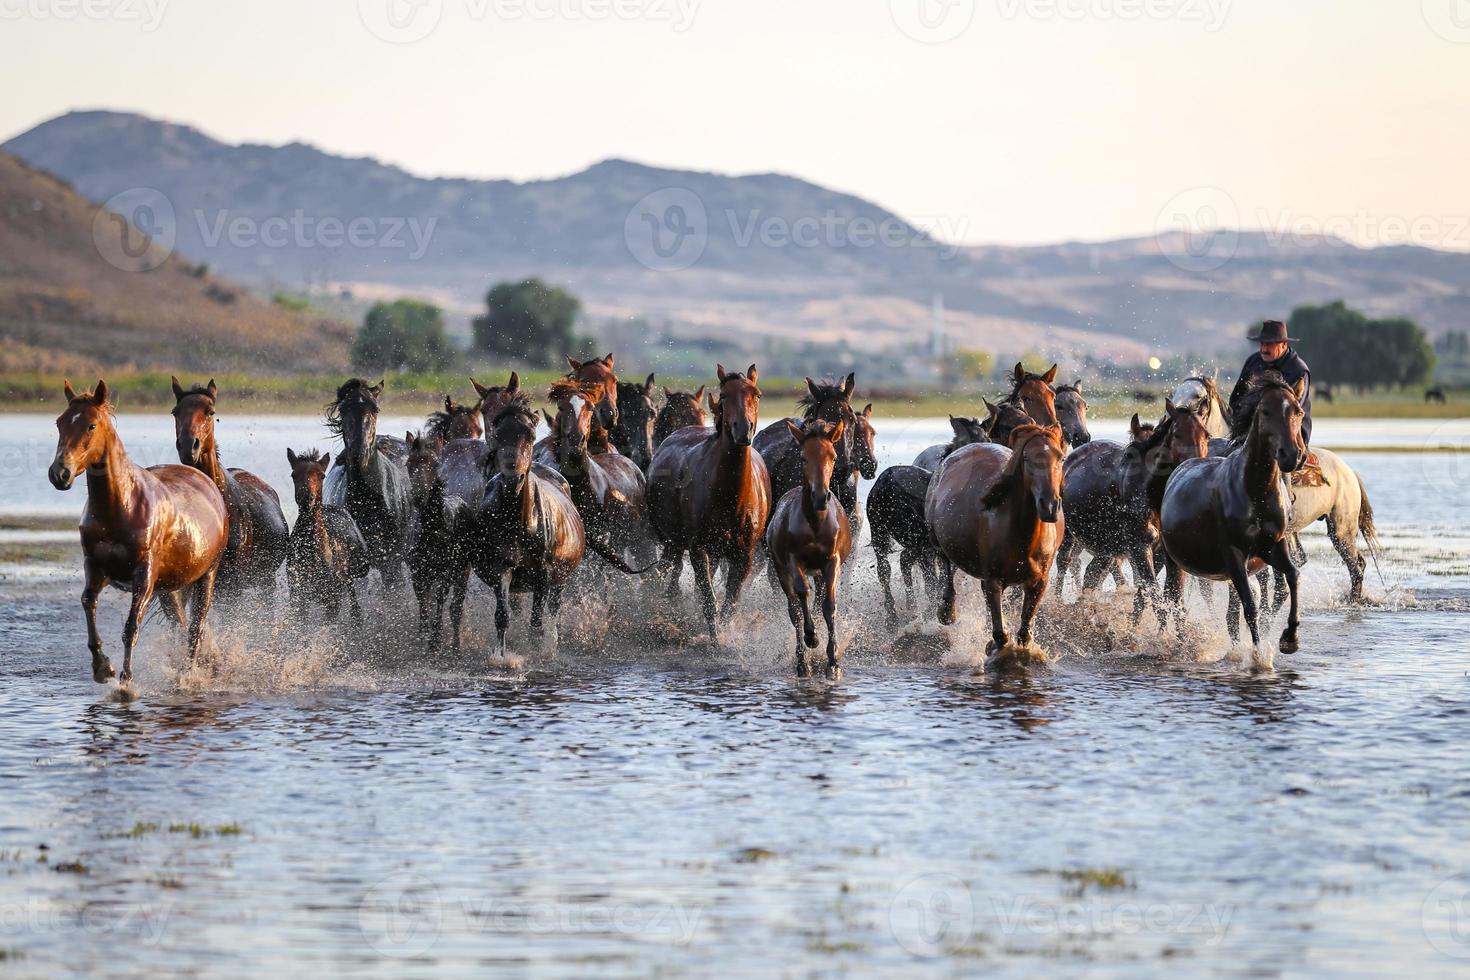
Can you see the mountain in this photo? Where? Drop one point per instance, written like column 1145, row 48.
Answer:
column 760, row 254
column 79, row 294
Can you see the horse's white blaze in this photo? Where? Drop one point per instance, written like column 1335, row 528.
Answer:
column 577, row 402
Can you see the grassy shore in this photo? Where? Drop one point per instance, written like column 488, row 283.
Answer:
column 416, row 393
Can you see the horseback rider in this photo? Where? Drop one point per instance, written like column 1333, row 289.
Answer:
column 1276, row 354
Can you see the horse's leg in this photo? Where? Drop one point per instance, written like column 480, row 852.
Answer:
column 885, row 576
column 143, row 581
column 1263, row 580
column 1174, row 592
column 831, row 575
column 95, row 583
column 946, row 592
column 700, row 559
column 803, row 597
column 907, row 559
column 456, row 607
column 1033, row 595
column 1241, row 579
column 793, row 610
column 1066, row 551
column 1281, row 561
column 1232, row 614
column 173, row 607
column 1097, row 570
column 502, row 612
column 199, row 604
column 737, row 570
column 674, row 559
column 993, row 594
column 1347, row 550
column 354, row 607
column 1146, row 577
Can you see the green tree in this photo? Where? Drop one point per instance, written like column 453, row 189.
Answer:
column 407, row 334
column 528, row 321
column 974, row 365
column 1345, row 347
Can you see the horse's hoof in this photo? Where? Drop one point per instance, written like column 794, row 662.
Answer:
column 102, row 671
column 811, row 640
column 1289, row 643
column 834, row 670
column 946, row 616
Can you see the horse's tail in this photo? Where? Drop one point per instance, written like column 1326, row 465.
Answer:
column 1365, row 517
column 616, row 560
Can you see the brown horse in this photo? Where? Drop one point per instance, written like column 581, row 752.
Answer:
column 1071, row 410
column 458, row 420
column 462, row 461
column 599, row 371
column 809, row 534
column 709, row 494
column 438, row 565
column 1227, row 517
column 160, row 530
column 493, row 398
column 326, row 551
column 527, row 535
column 607, row 487
column 680, row 409
column 997, row 514
column 1035, row 395
column 258, row 529
column 1107, row 500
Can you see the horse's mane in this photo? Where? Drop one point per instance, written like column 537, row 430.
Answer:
column 634, row 389
column 520, row 404
column 310, row 456
column 1075, row 389
column 826, row 390
column 1250, row 400
column 346, row 388
column 568, row 387
column 437, row 425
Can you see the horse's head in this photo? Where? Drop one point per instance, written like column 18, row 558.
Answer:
column 831, row 402
column 599, row 371
column 353, row 415
column 636, row 415
column 193, row 420
column 1040, row 450
column 968, row 431
column 681, row 408
column 458, row 420
column 737, row 413
column 1140, row 431
column 1188, row 437
column 1035, row 394
column 819, row 442
column 423, row 466
column 1003, row 419
column 576, row 411
column 1269, row 416
column 1071, row 410
column 83, row 432
column 495, row 398
column 512, row 439
column 308, row 473
column 864, row 443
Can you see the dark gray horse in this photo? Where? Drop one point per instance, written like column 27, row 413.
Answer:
column 369, row 480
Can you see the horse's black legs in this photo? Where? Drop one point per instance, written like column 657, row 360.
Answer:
column 456, row 607
column 831, row 575
column 674, row 560
column 1146, row 582
column 199, row 604
column 502, row 611
column 993, row 592
column 737, row 570
column 173, row 607
column 1242, row 582
column 1281, row 561
column 700, row 559
column 1032, row 598
column 946, row 592
column 885, row 576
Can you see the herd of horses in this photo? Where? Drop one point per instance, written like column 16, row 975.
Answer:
column 645, row 479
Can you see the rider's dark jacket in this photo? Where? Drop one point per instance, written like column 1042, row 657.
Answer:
column 1291, row 367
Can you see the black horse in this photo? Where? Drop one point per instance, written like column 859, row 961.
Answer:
column 825, row 401
column 896, row 512
column 369, row 480
column 633, row 434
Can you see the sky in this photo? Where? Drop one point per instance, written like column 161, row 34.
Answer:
column 987, row 121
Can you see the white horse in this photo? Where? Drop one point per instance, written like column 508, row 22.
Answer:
column 1191, row 392
column 1341, row 501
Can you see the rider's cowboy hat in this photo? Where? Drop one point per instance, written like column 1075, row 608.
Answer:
column 1272, row 332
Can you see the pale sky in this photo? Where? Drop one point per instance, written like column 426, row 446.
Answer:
column 1041, row 121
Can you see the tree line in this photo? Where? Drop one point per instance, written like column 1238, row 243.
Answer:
column 1346, row 347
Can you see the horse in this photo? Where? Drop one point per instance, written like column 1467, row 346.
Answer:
column 370, row 483
column 896, row 513
column 1202, row 395
column 599, row 371
column 1107, row 499
column 1071, row 409
column 1225, row 517
column 633, row 435
column 438, row 537
column 967, row 431
column 527, row 535
column 608, row 488
column 996, row 513
column 462, row 461
column 1069, row 555
column 258, row 530
column 808, row 534
column 681, row 408
column 1432, row 396
column 458, row 420
column 326, row 551
column 709, row 494
column 160, row 530
column 1035, row 395
column 826, row 401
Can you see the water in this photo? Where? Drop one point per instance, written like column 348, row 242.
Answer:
column 305, row 803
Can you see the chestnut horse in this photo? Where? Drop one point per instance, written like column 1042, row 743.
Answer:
column 599, row 371
column 462, row 461
column 809, row 534
column 680, row 409
column 709, row 494
column 633, row 435
column 997, row 514
column 367, row 480
column 258, row 529
column 326, row 551
column 439, row 532
column 1033, row 394
column 1226, row 517
column 458, row 420
column 830, row 402
column 527, row 534
column 160, row 530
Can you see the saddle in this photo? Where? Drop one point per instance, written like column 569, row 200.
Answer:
column 1309, row 474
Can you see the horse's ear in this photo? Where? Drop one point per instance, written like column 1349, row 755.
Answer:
column 958, row 425
column 377, row 389
column 648, row 384
column 326, row 460
column 850, row 384
column 811, row 386
column 178, row 388
column 212, row 388
column 409, row 438
column 549, row 420
column 1135, row 426
column 699, row 394
column 290, row 456
column 867, row 412
column 448, row 404
column 1051, row 375
column 794, row 429
column 480, row 389
column 1300, row 388
column 720, row 372
column 68, row 390
column 837, row 431
column 752, row 375
column 1168, row 405
column 1019, row 374
column 573, row 363
column 994, row 410
column 99, row 394
column 714, row 406
column 608, row 360
column 1077, row 386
